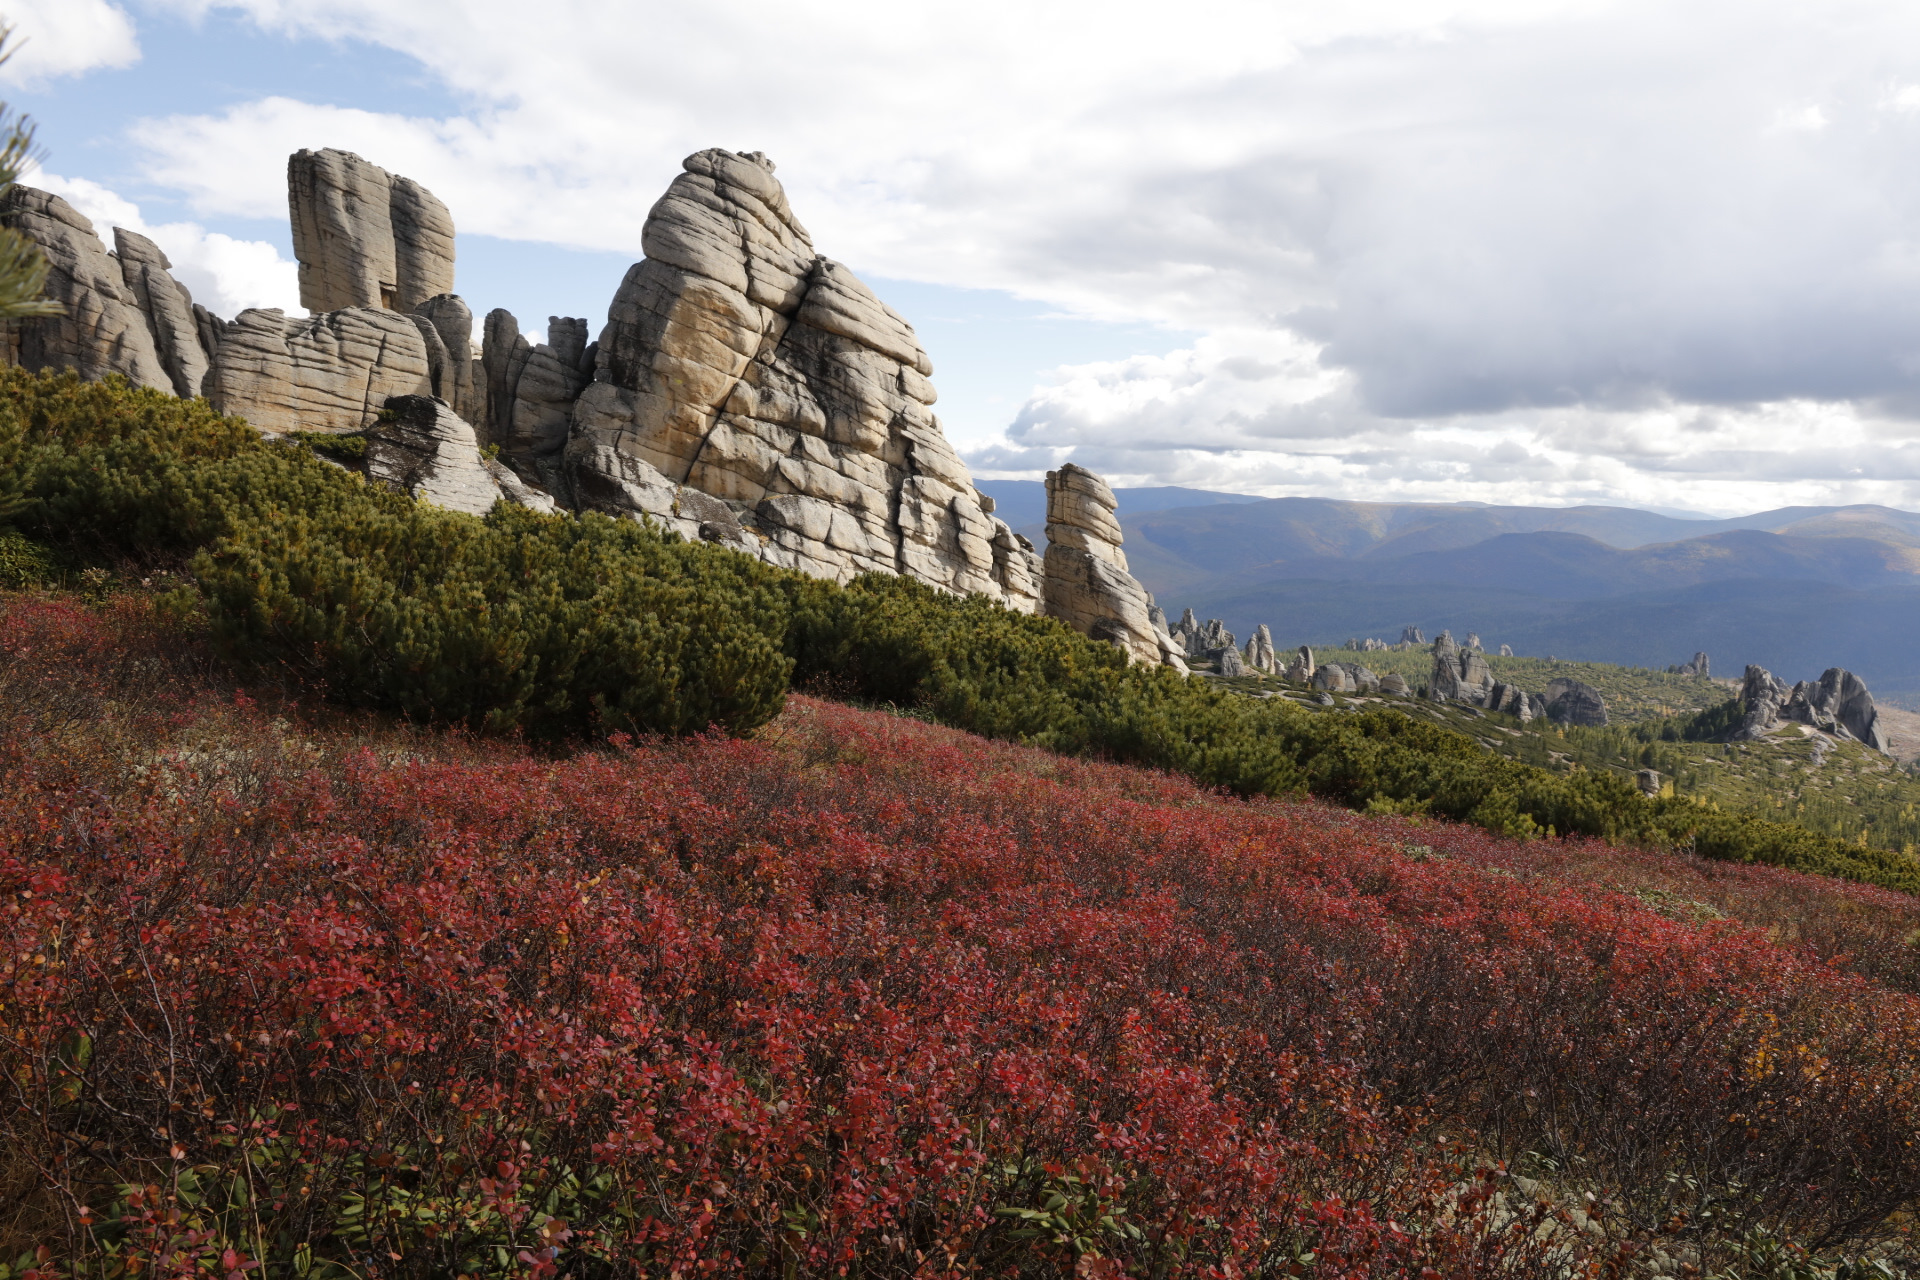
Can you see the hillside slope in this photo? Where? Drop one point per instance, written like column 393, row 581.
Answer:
column 292, row 992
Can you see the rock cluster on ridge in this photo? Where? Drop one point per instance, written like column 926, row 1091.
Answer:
column 746, row 390
column 1837, row 703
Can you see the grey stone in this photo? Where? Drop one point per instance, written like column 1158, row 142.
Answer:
column 419, row 445
column 329, row 372
column 1506, row 651
column 1411, row 635
column 1395, row 685
column 168, row 308
column 1301, row 669
column 103, row 331
column 1649, row 781
column 452, row 321
column 1259, row 653
column 363, row 237
column 1572, row 702
column 1762, row 695
column 1227, row 662
column 1838, row 703
column 1473, row 642
column 1699, row 666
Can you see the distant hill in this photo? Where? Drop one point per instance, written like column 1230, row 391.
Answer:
column 1023, row 503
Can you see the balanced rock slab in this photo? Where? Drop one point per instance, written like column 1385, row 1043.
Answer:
column 363, row 237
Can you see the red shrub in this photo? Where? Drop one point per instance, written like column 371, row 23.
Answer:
column 866, row 994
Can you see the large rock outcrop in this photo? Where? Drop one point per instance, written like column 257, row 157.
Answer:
column 104, row 330
column 1572, row 702
column 746, row 390
column 363, row 237
column 738, row 362
column 1837, row 703
column 1087, row 582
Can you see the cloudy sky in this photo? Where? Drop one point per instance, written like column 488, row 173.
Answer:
column 1658, row 254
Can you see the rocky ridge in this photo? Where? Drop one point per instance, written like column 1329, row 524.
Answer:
column 746, row 390
column 1838, row 703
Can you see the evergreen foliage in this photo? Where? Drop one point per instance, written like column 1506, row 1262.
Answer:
column 561, row 626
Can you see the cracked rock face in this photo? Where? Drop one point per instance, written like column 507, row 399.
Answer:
column 363, row 237
column 739, row 363
column 1572, row 702
column 329, row 372
column 104, row 330
column 168, row 309
column 421, row 446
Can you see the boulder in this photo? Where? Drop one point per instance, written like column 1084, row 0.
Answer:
column 1699, row 666
column 1395, row 685
column 1649, row 782
column 329, row 372
column 1412, row 635
column 1227, row 662
column 1333, row 678
column 363, row 237
column 419, row 445
column 1473, row 643
column 1506, row 651
column 1571, row 702
column 104, row 330
column 1459, row 675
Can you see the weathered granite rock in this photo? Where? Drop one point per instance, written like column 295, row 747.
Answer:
column 531, row 389
column 1459, row 675
column 168, row 309
column 1506, row 651
column 1259, row 653
column 1838, row 703
column 329, row 372
column 1649, row 782
column 1699, row 666
column 1087, row 583
column 103, row 331
column 1571, row 702
column 1762, row 695
column 1301, row 668
column 1412, row 635
column 738, row 362
column 1512, row 700
column 453, row 375
column 1227, row 662
column 1332, row 677
column 421, row 446
column 1373, row 645
column 1395, row 685
column 363, row 237
column 1473, row 643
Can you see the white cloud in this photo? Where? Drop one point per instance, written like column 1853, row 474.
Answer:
column 1616, row 248
column 1193, row 417
column 55, row 38
column 223, row 274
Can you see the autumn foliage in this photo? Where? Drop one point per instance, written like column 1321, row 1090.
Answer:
column 289, row 994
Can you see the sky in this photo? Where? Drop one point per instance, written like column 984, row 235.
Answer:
column 1649, row 254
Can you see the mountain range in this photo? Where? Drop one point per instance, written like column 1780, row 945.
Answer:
column 1796, row 589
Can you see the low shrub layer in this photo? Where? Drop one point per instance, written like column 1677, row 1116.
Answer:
column 563, row 626
column 870, row 995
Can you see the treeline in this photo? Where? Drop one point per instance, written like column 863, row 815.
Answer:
column 563, row 627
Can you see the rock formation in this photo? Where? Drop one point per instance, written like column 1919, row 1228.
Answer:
column 1837, row 703
column 1345, row 677
column 1473, row 643
column 1227, row 662
column 103, row 330
column 1459, row 675
column 363, row 237
column 1698, row 667
column 421, row 446
column 167, row 308
column 1506, row 651
column 746, row 390
column 1259, row 653
column 1412, row 635
column 330, row 372
column 1300, row 670
column 1371, row 645
column 1571, row 702
column 1395, row 685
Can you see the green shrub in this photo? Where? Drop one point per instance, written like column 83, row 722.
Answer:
column 561, row 626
